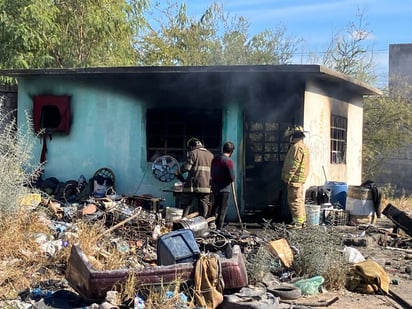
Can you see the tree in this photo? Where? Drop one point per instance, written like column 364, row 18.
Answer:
column 25, row 26
column 97, row 33
column 179, row 40
column 387, row 127
column 216, row 38
column 387, row 118
column 349, row 53
column 64, row 34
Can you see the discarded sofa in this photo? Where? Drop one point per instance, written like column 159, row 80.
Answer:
column 93, row 284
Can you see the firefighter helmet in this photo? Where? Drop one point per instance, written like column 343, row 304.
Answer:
column 297, row 129
column 193, row 142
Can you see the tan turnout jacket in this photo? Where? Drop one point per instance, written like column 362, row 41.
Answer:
column 296, row 165
column 197, row 165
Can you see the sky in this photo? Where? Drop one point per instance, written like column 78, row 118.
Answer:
column 316, row 21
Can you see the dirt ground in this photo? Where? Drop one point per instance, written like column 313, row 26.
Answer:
column 397, row 263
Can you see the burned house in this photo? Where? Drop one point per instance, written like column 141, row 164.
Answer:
column 123, row 118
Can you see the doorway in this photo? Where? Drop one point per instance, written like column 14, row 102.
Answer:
column 265, row 150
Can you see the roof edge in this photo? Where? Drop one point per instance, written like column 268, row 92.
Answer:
column 373, row 90
column 125, row 70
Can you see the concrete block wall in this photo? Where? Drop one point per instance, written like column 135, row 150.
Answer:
column 397, row 170
column 8, row 102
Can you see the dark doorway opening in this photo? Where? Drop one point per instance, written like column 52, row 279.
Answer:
column 265, row 150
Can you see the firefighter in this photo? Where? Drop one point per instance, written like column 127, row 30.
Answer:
column 196, row 185
column 294, row 173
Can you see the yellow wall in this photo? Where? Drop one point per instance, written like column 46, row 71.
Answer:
column 317, row 114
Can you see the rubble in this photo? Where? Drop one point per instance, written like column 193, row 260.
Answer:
column 133, row 226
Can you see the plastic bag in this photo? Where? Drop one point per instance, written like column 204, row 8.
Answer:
column 352, row 255
column 138, row 303
column 310, row 286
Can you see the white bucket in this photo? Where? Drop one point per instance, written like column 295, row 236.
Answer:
column 312, row 214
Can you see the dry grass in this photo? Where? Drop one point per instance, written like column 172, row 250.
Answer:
column 105, row 251
column 174, row 295
column 403, row 203
column 318, row 251
column 24, row 264
column 101, row 252
column 320, row 255
column 260, row 262
column 160, row 299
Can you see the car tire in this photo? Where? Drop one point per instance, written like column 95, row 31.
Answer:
column 286, row 291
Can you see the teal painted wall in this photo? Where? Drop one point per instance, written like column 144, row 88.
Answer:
column 233, row 131
column 108, row 130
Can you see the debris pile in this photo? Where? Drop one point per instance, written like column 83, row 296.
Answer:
column 123, row 250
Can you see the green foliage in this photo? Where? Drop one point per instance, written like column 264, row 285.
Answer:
column 94, row 33
column 26, row 27
column 214, row 39
column 16, row 171
column 78, row 33
column 90, row 33
column 387, row 127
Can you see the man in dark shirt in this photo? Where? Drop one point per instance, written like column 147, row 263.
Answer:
column 222, row 173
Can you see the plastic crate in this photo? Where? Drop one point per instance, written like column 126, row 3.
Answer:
column 335, row 216
column 177, row 247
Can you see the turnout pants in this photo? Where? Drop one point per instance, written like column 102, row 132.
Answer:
column 296, row 202
column 202, row 199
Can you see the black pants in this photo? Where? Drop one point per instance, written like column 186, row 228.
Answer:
column 219, row 208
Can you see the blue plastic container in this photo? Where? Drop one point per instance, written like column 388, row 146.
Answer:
column 177, row 246
column 339, row 192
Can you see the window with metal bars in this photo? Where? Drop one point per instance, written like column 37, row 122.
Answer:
column 168, row 129
column 338, row 138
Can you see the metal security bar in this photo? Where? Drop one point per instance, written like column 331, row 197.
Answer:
column 338, row 139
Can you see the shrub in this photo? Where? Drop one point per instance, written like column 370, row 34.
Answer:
column 16, row 169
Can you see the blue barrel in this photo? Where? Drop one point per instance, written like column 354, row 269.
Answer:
column 338, row 192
